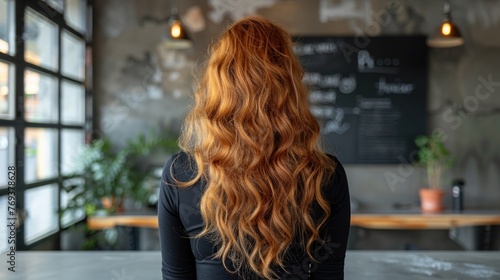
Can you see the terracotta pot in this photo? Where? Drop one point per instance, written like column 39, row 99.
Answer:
column 111, row 203
column 431, row 200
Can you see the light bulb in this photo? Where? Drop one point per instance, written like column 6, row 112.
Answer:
column 175, row 30
column 446, row 28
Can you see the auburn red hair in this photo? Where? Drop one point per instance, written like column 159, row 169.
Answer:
column 255, row 142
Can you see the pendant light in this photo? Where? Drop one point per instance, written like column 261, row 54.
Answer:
column 448, row 35
column 176, row 36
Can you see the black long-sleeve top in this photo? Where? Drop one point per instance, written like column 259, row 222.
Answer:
column 188, row 258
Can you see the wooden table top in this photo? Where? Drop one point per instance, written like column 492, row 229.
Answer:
column 396, row 220
column 424, row 221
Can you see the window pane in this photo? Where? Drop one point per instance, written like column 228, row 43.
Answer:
column 41, row 207
column 74, row 14
column 3, row 228
column 72, row 142
column 70, row 217
column 6, row 90
column 73, row 56
column 58, row 5
column 6, row 26
column 41, row 40
column 72, row 103
column 6, row 152
column 40, row 153
column 40, row 97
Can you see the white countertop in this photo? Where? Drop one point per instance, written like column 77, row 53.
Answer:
column 360, row 265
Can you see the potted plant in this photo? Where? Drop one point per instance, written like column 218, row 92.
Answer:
column 436, row 159
column 113, row 175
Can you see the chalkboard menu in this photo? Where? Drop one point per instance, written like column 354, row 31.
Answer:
column 368, row 93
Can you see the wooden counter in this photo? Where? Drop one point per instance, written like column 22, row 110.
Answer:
column 407, row 220
column 424, row 221
column 103, row 222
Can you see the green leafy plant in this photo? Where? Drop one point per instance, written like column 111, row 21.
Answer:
column 112, row 175
column 434, row 156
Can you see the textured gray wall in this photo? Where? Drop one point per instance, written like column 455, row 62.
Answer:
column 139, row 86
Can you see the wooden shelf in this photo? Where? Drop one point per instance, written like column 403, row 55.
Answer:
column 372, row 221
column 103, row 222
column 423, row 221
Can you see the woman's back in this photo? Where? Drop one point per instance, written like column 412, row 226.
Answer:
column 191, row 258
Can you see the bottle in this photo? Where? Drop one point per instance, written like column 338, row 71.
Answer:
column 457, row 193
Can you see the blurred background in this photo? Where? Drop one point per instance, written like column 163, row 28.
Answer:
column 93, row 94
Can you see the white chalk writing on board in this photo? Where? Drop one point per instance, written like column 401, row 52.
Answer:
column 334, row 119
column 345, row 84
column 384, row 87
column 336, row 124
column 368, row 63
column 379, row 87
column 318, row 96
column 316, row 48
column 373, row 103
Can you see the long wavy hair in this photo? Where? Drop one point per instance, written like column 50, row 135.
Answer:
column 255, row 142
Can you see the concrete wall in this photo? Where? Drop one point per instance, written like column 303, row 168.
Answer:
column 138, row 85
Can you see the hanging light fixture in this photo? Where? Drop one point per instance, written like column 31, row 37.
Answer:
column 176, row 37
column 448, row 35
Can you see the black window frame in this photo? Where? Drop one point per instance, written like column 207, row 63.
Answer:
column 19, row 124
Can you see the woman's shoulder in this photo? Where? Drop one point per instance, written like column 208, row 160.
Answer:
column 181, row 166
column 177, row 160
column 339, row 168
column 338, row 183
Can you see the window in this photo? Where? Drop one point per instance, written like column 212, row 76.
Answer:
column 40, row 97
column 6, row 26
column 44, row 89
column 57, row 5
column 40, row 154
column 72, row 141
column 74, row 14
column 3, row 230
column 72, row 99
column 40, row 39
column 6, row 90
column 6, row 152
column 73, row 54
column 68, row 217
column 42, row 208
